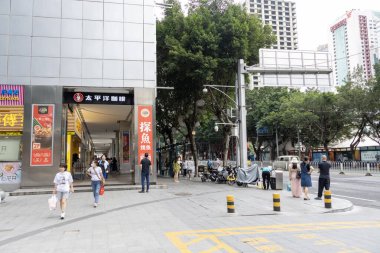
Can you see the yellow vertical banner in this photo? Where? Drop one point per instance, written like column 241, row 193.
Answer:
column 68, row 152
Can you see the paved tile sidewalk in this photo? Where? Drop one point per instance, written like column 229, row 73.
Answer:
column 138, row 222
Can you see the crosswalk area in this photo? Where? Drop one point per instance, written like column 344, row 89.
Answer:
column 339, row 237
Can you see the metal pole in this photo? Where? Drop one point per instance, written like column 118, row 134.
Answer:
column 242, row 115
column 278, row 152
column 299, row 146
column 238, row 164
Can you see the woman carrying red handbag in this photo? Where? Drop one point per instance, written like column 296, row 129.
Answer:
column 97, row 180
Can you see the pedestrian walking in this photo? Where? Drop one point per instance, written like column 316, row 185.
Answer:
column 146, row 170
column 324, row 176
column 306, row 170
column 63, row 185
column 266, row 176
column 184, row 168
column 104, row 165
column 176, row 168
column 190, row 167
column 95, row 172
column 295, row 178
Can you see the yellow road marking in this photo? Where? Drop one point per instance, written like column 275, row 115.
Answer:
column 307, row 236
column 269, row 248
column 212, row 235
column 353, row 250
column 330, row 242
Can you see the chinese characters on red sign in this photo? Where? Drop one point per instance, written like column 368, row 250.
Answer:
column 42, row 135
column 145, row 131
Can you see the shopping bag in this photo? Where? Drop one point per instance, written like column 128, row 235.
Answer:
column 52, row 201
column 288, row 187
column 101, row 191
column 260, row 185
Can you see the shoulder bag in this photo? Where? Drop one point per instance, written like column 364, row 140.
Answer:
column 102, row 181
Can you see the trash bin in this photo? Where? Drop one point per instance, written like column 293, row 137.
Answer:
column 277, row 180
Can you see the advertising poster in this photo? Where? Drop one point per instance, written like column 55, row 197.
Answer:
column 145, row 133
column 42, row 135
column 126, row 147
column 317, row 156
column 10, row 172
column 370, row 156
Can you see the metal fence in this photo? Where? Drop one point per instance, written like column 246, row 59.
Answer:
column 349, row 167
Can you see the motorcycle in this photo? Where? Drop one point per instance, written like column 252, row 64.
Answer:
column 247, row 176
column 210, row 174
column 231, row 178
column 222, row 175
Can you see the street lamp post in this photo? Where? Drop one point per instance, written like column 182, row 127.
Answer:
column 242, row 112
column 278, row 151
column 216, row 128
column 299, row 143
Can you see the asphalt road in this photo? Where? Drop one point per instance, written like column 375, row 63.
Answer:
column 360, row 190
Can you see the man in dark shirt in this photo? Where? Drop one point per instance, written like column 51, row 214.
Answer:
column 324, row 176
column 145, row 171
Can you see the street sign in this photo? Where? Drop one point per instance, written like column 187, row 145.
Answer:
column 293, row 69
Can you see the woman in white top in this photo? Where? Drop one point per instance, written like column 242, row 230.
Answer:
column 63, row 184
column 95, row 172
column 190, row 167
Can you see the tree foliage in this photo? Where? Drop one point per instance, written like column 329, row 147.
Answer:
column 203, row 48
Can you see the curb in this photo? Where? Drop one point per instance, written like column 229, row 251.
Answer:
column 125, row 188
column 342, row 210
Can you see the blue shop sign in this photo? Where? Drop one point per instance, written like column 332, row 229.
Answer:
column 5, row 92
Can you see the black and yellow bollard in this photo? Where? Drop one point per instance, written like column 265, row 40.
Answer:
column 327, row 199
column 230, row 204
column 276, row 202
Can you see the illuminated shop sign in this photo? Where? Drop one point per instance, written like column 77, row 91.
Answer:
column 11, row 118
column 11, row 95
column 97, row 98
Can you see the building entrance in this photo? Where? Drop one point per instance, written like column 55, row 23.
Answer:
column 99, row 122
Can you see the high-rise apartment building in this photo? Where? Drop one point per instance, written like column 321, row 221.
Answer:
column 355, row 44
column 281, row 15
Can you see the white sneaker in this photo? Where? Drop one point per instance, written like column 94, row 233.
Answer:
column 62, row 216
column 95, row 204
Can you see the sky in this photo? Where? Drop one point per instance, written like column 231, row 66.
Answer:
column 314, row 18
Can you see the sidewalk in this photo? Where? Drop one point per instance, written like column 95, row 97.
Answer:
column 248, row 200
column 30, row 227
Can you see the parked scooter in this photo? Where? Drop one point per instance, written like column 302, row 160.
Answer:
column 231, row 178
column 247, row 176
column 222, row 175
column 210, row 174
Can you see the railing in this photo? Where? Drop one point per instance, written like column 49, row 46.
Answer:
column 353, row 166
column 346, row 167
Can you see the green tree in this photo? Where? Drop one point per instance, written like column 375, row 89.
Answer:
column 318, row 115
column 203, row 48
column 373, row 115
column 263, row 112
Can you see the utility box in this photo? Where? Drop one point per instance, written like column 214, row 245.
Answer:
column 277, row 180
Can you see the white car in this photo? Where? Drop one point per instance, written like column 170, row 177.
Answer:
column 282, row 162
